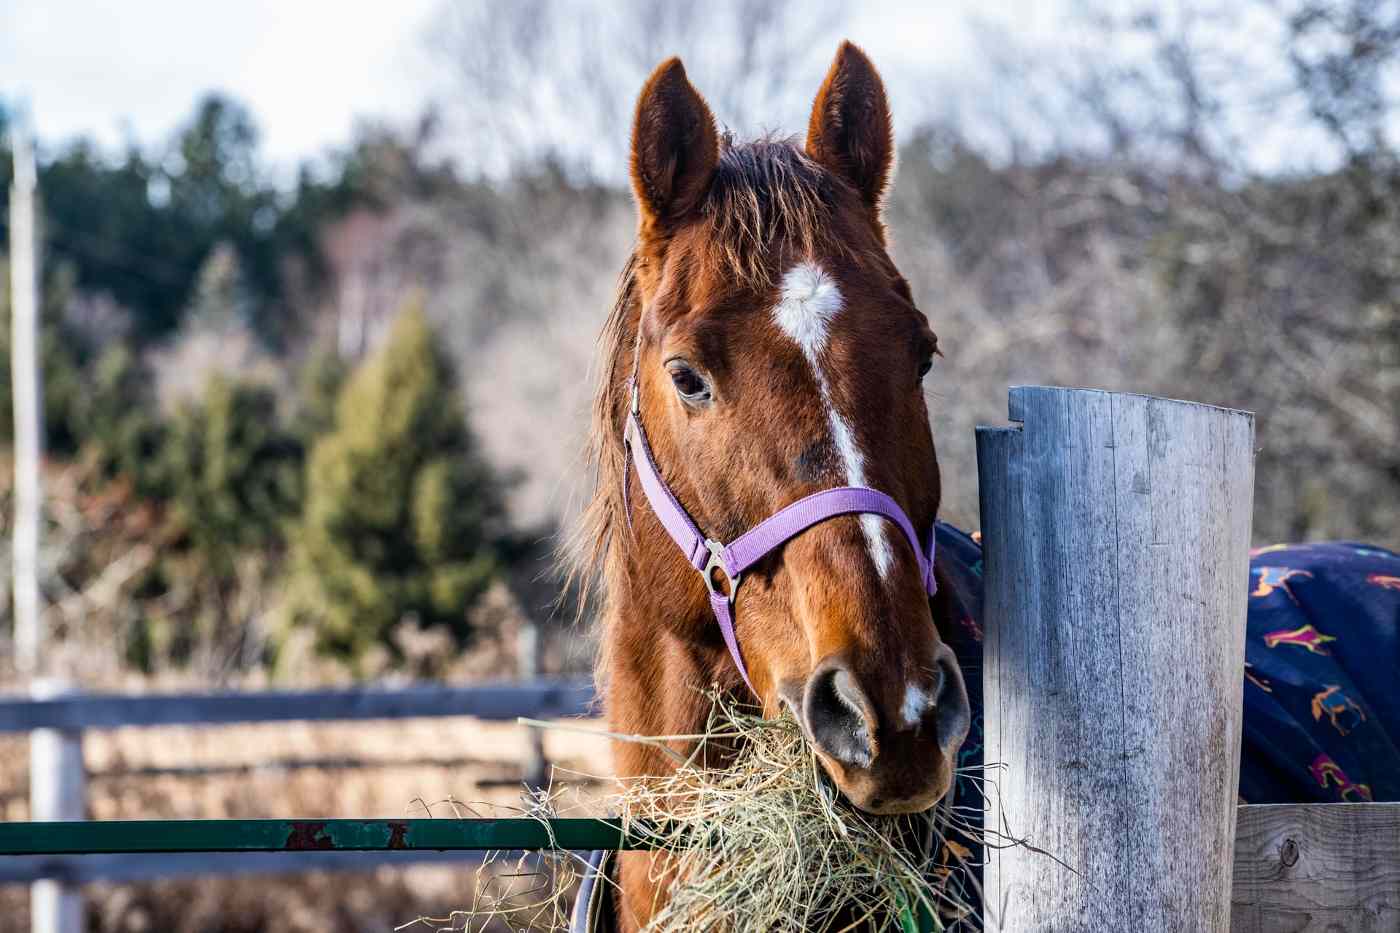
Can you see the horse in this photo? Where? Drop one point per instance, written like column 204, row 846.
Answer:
column 765, row 514
column 761, row 385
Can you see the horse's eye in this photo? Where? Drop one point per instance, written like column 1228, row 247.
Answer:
column 689, row 384
column 925, row 366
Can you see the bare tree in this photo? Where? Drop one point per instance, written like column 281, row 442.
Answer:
column 1156, row 246
column 556, row 79
column 1346, row 60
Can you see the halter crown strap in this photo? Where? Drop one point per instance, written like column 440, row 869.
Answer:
column 710, row 556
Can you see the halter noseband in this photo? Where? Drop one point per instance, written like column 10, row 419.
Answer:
column 708, row 555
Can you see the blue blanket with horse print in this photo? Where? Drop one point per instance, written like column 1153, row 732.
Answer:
column 1322, row 675
column 1321, row 678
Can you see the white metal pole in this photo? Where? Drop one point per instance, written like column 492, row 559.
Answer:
column 57, row 791
column 28, row 405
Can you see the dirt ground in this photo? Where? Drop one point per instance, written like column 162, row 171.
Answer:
column 305, row 770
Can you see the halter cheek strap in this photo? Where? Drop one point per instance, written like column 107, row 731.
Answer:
column 709, row 556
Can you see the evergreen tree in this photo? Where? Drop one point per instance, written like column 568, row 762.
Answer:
column 319, row 383
column 221, row 301
column 232, row 471
column 120, row 424
column 403, row 518
column 230, row 475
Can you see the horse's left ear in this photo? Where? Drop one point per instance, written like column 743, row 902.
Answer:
column 850, row 131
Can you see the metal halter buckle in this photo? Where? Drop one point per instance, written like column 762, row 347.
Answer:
column 716, row 562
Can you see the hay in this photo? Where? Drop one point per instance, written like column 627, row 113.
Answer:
column 757, row 840
column 531, row 890
column 763, row 841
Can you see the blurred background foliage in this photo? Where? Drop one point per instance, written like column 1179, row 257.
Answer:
column 403, row 520
column 328, row 413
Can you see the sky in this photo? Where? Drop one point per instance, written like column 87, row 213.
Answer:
column 119, row 71
column 133, row 68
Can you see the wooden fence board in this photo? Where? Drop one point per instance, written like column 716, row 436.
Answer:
column 1310, row 868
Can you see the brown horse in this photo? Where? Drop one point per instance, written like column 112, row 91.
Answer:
column 777, row 353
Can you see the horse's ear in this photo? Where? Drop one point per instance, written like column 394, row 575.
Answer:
column 675, row 148
column 850, row 131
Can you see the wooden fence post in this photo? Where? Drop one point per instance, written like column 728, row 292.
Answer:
column 534, row 763
column 57, row 791
column 1116, row 531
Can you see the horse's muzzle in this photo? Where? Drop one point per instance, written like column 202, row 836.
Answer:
column 890, row 748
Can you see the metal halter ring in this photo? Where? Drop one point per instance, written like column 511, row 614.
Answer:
column 716, row 562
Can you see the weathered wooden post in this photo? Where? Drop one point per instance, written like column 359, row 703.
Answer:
column 1116, row 535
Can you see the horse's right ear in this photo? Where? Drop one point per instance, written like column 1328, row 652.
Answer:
column 675, row 148
column 850, row 132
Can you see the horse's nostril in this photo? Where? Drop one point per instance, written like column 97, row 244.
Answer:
column 954, row 715
column 838, row 715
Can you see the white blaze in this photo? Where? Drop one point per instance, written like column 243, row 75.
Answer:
column 808, row 303
column 916, row 703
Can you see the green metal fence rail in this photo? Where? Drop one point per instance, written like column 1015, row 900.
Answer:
column 179, row 836
column 184, row 837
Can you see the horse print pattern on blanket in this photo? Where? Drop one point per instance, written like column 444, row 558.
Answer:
column 1321, row 679
column 1322, row 675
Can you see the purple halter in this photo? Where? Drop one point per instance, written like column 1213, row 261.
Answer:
column 708, row 555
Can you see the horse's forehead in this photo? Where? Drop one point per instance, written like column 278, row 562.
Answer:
column 814, row 296
column 808, row 302
column 806, row 305
column 820, row 307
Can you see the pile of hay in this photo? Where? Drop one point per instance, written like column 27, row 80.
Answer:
column 765, row 843
column 761, row 842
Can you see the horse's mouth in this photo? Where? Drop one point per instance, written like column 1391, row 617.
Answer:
column 907, row 807
column 869, row 795
column 845, row 780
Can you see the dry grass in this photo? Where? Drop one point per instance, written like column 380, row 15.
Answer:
column 763, row 842
column 368, row 769
column 523, row 891
column 757, row 840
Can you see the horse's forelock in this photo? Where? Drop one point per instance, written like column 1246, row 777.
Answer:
column 767, row 196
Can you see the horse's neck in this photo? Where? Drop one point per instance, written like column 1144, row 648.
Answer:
column 656, row 685
column 656, row 682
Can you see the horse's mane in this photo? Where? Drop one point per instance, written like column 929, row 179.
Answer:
column 766, row 196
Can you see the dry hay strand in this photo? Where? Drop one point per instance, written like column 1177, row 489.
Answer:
column 531, row 890
column 759, row 839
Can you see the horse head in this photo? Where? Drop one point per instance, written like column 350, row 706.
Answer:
column 770, row 350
